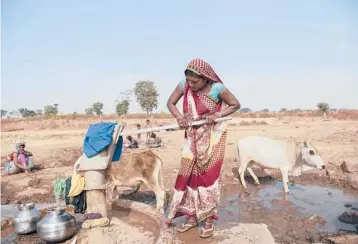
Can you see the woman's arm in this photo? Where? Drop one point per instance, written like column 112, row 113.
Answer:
column 231, row 101
column 173, row 100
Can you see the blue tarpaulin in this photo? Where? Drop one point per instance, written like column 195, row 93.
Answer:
column 118, row 152
column 99, row 137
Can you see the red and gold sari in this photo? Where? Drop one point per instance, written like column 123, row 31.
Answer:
column 197, row 187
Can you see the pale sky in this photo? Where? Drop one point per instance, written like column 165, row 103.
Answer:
column 270, row 54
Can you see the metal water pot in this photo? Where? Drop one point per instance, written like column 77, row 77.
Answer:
column 26, row 220
column 56, row 226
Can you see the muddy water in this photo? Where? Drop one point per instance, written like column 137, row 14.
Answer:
column 288, row 221
column 309, row 200
column 228, row 210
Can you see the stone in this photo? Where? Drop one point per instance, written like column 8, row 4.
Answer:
column 353, row 180
column 245, row 233
column 349, row 217
column 4, row 224
column 122, row 233
column 335, row 173
column 116, row 221
column 350, row 165
column 344, row 239
column 317, row 220
column 4, row 201
column 316, row 172
column 11, row 221
column 348, row 205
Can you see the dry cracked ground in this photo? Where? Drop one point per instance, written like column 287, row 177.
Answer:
column 57, row 149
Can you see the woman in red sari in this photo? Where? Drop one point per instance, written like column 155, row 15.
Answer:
column 197, row 187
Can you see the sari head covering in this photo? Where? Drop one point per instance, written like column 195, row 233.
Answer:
column 202, row 68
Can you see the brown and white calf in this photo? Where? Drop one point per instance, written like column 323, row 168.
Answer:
column 132, row 170
column 290, row 156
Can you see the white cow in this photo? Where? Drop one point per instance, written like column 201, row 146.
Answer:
column 291, row 157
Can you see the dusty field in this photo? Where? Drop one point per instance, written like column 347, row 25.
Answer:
column 57, row 149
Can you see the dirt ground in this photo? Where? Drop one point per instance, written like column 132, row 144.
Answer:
column 56, row 150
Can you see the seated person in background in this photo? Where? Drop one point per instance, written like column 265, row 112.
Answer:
column 132, row 143
column 154, row 141
column 19, row 161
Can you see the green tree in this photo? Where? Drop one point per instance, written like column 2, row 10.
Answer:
column 122, row 107
column 146, row 94
column 296, row 110
column 324, row 107
column 51, row 109
column 283, row 110
column 14, row 113
column 97, row 108
column 39, row 112
column 25, row 113
column 3, row 113
column 89, row 111
column 266, row 110
column 244, row 110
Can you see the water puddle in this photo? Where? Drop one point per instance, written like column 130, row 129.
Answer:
column 228, row 209
column 228, row 213
column 328, row 203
